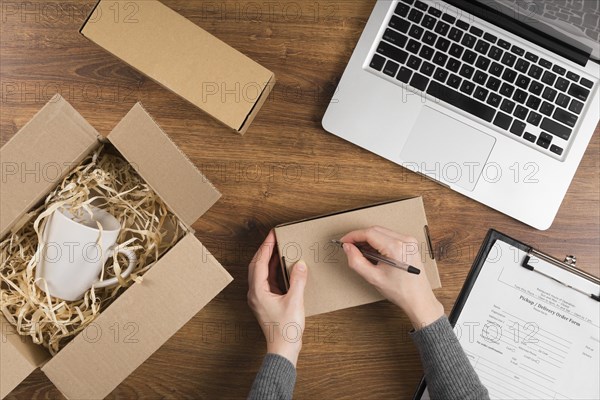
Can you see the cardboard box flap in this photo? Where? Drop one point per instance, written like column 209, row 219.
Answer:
column 39, row 156
column 164, row 167
column 138, row 322
column 19, row 357
column 332, row 285
column 181, row 56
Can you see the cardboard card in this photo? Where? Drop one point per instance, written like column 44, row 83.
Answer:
column 332, row 285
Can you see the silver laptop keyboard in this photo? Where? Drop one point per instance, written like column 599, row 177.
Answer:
column 522, row 94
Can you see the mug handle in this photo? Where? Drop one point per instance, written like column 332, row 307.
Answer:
column 113, row 281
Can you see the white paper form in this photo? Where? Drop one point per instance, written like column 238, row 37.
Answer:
column 527, row 336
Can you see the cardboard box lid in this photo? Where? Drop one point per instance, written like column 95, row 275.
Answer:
column 187, row 192
column 182, row 57
column 19, row 357
column 332, row 285
column 179, row 285
column 39, row 156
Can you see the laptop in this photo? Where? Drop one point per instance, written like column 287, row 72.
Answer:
column 497, row 100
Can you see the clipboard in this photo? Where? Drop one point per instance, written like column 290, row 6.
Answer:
column 492, row 237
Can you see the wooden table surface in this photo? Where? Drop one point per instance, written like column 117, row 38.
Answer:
column 285, row 168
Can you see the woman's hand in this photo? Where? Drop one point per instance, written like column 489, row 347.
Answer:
column 281, row 317
column 410, row 292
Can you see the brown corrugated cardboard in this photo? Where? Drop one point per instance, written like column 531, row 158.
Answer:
column 181, row 283
column 332, row 285
column 182, row 57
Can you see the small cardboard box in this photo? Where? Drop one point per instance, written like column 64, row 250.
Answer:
column 332, row 285
column 182, row 57
column 34, row 161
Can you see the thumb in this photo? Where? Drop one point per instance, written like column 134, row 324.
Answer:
column 298, row 279
column 360, row 264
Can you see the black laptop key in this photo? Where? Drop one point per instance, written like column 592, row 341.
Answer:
column 493, row 84
column 504, row 44
column 399, row 24
column 391, row 68
column 466, row 71
column 469, row 41
column 455, row 34
column 413, row 46
column 392, row 52
column 377, row 62
column 426, row 52
column 415, row 15
column 562, row 84
column 453, row 64
column 428, row 22
column 456, row 50
column 563, row 100
column 547, row 108
column 394, row 37
column 535, row 72
column 576, row 106
column 454, row 81
column 419, row 81
column 416, row 32
column 517, row 50
column 483, row 63
column 507, row 90
column 476, row 31
column 440, row 58
column 536, row 88
column 587, row 83
column 579, row 92
column 421, row 6
column 414, row 62
column 449, row 18
column 489, row 37
column 549, row 94
column 565, row 117
column 442, row 28
column 544, row 140
column 435, row 12
column 521, row 112
column 481, row 93
column 573, row 76
column 548, row 78
column 556, row 150
column 482, row 46
column 440, row 75
column 462, row 25
column 533, row 102
column 556, row 129
column 503, row 120
column 517, row 128
column 467, row 87
column 507, row 106
column 520, row 96
column 496, row 69
column 480, row 77
column 559, row 70
column 404, row 75
column 442, row 44
column 494, row 100
column 461, row 101
column 402, row 9
column 531, row 57
column 545, row 63
column 429, row 38
column 534, row 118
column 427, row 69
column 469, row 56
column 529, row 137
column 522, row 65
column 509, row 75
column 509, row 59
column 495, row 53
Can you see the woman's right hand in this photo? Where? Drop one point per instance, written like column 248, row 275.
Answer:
column 410, row 292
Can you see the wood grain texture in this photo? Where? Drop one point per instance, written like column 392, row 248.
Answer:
column 285, row 168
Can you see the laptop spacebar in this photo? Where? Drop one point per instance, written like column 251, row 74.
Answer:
column 461, row 101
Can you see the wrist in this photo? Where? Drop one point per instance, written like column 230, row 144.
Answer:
column 290, row 351
column 425, row 313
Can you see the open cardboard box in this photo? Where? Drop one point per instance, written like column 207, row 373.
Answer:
column 332, row 285
column 182, row 57
column 187, row 275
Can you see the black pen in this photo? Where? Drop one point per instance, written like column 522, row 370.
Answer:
column 379, row 258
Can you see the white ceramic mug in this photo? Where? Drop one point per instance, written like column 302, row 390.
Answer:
column 72, row 256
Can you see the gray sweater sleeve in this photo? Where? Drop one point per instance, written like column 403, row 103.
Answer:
column 448, row 371
column 275, row 380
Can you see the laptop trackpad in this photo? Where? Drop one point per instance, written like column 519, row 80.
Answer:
column 446, row 149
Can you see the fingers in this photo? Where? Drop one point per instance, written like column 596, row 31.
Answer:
column 361, row 265
column 258, row 270
column 378, row 240
column 298, row 279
